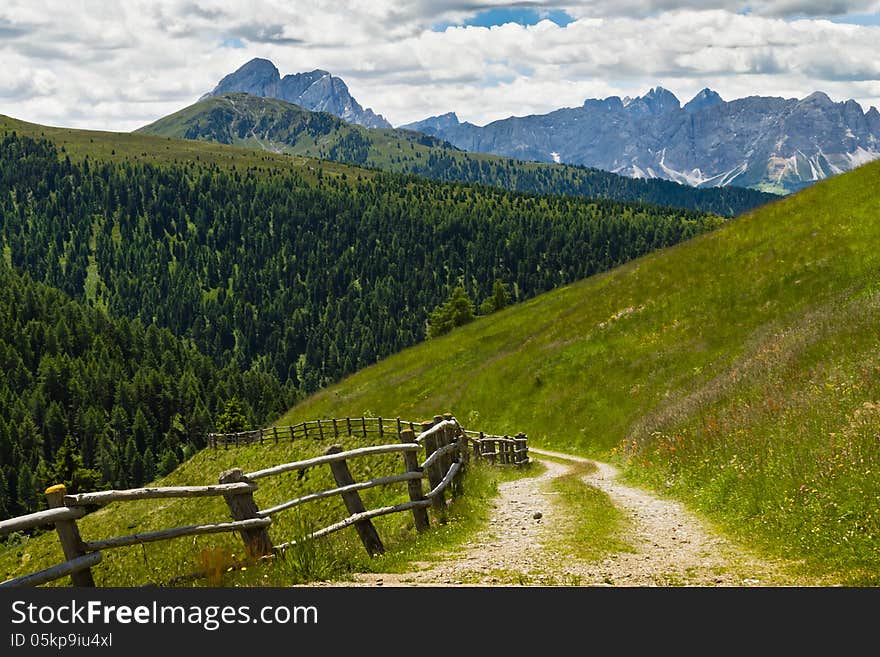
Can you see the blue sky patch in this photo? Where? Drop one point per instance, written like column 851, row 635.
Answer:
column 859, row 19
column 500, row 16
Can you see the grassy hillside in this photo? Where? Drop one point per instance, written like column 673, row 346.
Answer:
column 739, row 371
column 280, row 127
column 119, row 147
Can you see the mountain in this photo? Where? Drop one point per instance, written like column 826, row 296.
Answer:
column 773, row 144
column 241, row 119
column 278, row 126
column 316, row 90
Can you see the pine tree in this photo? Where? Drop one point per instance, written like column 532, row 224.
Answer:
column 141, row 432
column 168, row 462
column 498, row 300
column 232, row 419
column 149, row 465
column 68, row 469
column 458, row 310
column 26, row 494
column 105, row 458
column 5, row 501
column 134, row 464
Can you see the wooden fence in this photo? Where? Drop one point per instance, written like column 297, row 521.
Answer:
column 444, row 445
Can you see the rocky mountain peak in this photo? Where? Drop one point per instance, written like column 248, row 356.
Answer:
column 435, row 124
column 703, row 100
column 450, row 118
column 818, row 98
column 258, row 77
column 656, row 102
column 315, row 90
column 610, row 104
column 873, row 120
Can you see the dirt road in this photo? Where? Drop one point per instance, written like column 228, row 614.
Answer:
column 669, row 545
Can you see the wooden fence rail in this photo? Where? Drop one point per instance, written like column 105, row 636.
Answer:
column 71, row 567
column 446, row 446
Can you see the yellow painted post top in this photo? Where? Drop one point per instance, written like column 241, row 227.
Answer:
column 57, row 488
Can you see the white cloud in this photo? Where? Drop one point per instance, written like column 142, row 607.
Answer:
column 777, row 8
column 119, row 66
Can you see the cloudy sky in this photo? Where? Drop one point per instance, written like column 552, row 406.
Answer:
column 120, row 65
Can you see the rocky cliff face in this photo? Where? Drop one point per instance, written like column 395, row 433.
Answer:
column 763, row 142
column 316, row 90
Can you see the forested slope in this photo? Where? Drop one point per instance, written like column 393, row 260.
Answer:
column 91, row 400
column 306, row 280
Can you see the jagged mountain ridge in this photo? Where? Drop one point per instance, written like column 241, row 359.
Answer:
column 768, row 143
column 274, row 125
column 316, row 90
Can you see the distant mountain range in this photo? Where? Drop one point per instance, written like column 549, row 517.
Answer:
column 316, row 90
column 241, row 119
column 773, row 144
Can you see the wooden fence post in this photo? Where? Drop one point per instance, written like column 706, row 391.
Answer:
column 354, row 504
column 442, row 441
column 348, row 425
column 461, row 434
column 242, row 507
column 305, row 428
column 493, row 451
column 460, row 455
column 320, row 430
column 364, row 425
column 398, row 427
column 275, row 433
column 381, row 431
column 463, row 451
column 335, row 429
column 68, row 535
column 435, row 476
column 520, row 445
column 420, row 514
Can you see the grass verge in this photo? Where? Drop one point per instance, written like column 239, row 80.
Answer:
column 594, row 526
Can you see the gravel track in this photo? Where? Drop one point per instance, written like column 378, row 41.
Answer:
column 670, row 546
